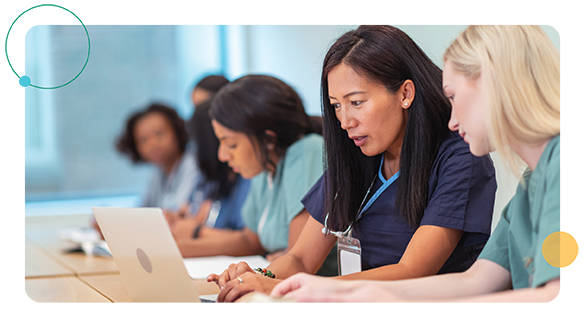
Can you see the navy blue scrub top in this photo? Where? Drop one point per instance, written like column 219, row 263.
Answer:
column 229, row 216
column 461, row 195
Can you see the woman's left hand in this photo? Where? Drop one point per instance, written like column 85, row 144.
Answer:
column 250, row 282
column 308, row 288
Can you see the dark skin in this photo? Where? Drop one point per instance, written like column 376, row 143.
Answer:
column 156, row 141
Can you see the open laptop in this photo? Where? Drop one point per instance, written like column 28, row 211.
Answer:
column 147, row 255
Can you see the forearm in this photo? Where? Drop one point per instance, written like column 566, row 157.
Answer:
column 426, row 253
column 307, row 254
column 286, row 266
column 483, row 277
column 206, row 232
column 232, row 244
column 437, row 287
column 390, row 272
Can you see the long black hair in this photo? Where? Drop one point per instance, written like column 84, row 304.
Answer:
column 201, row 131
column 126, row 143
column 254, row 104
column 386, row 55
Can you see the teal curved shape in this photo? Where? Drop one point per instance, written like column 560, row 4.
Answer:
column 17, row 83
column 16, row 15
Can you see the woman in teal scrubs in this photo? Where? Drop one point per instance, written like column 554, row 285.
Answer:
column 398, row 181
column 265, row 136
column 504, row 86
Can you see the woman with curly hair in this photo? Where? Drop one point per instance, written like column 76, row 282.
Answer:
column 156, row 135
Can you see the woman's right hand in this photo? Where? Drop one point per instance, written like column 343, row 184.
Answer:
column 234, row 271
column 171, row 217
column 183, row 229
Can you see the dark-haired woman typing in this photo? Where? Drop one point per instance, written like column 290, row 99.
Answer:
column 399, row 186
column 266, row 136
column 219, row 194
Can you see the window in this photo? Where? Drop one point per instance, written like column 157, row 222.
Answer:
column 71, row 131
column 40, row 147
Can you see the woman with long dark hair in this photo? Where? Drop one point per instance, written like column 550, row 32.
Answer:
column 402, row 193
column 504, row 85
column 264, row 135
column 219, row 194
column 197, row 209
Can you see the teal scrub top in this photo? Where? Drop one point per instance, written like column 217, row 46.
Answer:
column 272, row 203
column 526, row 221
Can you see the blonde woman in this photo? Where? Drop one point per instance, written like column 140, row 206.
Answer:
column 504, row 87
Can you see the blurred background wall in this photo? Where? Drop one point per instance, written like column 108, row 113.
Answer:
column 59, row 143
column 71, row 161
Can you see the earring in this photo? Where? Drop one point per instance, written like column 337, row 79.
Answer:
column 406, row 103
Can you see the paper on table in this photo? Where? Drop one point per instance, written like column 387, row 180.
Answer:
column 86, row 240
column 200, row 268
column 79, row 234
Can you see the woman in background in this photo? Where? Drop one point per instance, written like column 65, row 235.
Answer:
column 206, row 88
column 198, row 206
column 157, row 136
column 220, row 189
column 504, row 86
column 264, row 135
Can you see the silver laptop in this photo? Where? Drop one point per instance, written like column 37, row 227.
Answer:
column 146, row 255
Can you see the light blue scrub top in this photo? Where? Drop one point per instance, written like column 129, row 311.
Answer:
column 279, row 200
column 171, row 191
column 532, row 215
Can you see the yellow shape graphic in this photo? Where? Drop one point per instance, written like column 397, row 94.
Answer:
column 560, row 249
column 551, row 249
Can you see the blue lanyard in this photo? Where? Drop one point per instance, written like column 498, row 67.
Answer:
column 381, row 189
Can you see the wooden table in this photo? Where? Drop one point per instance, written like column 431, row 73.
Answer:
column 38, row 264
column 52, row 275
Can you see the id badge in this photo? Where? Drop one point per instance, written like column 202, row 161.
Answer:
column 349, row 255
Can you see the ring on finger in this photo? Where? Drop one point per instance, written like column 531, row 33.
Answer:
column 240, row 279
